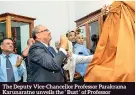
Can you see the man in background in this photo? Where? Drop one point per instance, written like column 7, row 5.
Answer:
column 72, row 37
column 80, row 49
column 11, row 69
column 57, row 45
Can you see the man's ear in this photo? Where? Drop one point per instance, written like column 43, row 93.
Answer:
column 1, row 46
column 37, row 36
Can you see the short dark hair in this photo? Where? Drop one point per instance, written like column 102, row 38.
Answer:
column 66, row 34
column 6, row 39
column 34, row 31
column 73, row 32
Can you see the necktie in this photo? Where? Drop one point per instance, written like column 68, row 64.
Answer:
column 50, row 51
column 10, row 74
column 53, row 55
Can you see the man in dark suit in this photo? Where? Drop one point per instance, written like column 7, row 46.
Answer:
column 43, row 65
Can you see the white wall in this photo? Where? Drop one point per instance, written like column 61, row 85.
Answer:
column 80, row 8
column 83, row 8
column 52, row 14
column 71, row 14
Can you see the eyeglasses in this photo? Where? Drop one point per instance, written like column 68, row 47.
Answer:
column 46, row 30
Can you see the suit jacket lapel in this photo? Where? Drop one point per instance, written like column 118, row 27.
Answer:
column 45, row 48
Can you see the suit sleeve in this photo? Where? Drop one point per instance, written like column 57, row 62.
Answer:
column 40, row 57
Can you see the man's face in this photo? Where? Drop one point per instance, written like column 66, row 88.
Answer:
column 77, row 33
column 44, row 34
column 71, row 36
column 80, row 39
column 7, row 46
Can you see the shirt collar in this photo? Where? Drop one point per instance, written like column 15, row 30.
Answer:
column 44, row 44
column 4, row 55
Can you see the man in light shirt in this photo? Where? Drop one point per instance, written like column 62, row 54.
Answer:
column 11, row 69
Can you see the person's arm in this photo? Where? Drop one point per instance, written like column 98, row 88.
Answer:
column 21, row 69
column 20, row 65
column 29, row 44
column 82, row 59
column 25, row 52
column 39, row 56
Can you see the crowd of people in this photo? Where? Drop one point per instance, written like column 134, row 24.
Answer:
column 40, row 62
